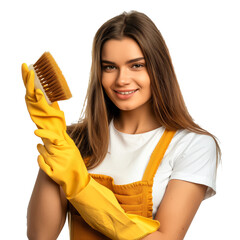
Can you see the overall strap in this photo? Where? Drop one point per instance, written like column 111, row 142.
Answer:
column 157, row 155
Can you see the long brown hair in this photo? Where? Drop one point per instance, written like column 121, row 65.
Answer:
column 91, row 133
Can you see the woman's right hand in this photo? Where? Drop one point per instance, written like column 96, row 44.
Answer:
column 45, row 116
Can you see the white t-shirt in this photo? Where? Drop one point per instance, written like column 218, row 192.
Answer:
column 189, row 157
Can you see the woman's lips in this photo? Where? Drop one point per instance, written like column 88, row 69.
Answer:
column 125, row 94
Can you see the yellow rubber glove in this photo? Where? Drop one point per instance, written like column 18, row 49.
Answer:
column 99, row 207
column 61, row 160
column 45, row 116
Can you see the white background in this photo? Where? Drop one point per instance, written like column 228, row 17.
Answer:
column 203, row 39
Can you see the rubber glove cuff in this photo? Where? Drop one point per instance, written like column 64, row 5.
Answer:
column 99, row 207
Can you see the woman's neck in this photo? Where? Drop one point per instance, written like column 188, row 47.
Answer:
column 136, row 121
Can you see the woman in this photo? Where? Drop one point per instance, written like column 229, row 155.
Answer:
column 137, row 139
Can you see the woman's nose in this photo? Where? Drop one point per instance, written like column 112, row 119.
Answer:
column 123, row 77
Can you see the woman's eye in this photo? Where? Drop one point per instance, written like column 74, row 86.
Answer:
column 108, row 67
column 138, row 65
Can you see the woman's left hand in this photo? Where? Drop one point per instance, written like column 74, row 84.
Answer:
column 61, row 160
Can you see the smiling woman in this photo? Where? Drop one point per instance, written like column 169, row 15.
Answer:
column 124, row 77
column 146, row 160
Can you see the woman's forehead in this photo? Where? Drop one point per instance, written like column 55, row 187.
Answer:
column 126, row 49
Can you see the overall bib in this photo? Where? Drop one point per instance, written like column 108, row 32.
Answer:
column 134, row 198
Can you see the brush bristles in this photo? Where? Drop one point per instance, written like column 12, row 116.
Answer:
column 51, row 78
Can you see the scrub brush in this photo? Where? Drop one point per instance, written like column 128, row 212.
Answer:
column 49, row 78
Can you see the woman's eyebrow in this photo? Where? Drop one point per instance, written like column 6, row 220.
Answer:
column 135, row 59
column 129, row 61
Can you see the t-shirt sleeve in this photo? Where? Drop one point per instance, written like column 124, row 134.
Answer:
column 197, row 162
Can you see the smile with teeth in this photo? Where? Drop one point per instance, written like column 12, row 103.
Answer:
column 126, row 93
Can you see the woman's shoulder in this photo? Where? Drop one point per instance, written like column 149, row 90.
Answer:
column 191, row 150
column 187, row 140
column 193, row 158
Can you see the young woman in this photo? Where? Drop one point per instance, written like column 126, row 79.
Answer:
column 137, row 140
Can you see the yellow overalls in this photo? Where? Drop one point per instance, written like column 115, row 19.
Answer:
column 135, row 198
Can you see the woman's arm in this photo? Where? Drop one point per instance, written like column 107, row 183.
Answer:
column 177, row 209
column 47, row 209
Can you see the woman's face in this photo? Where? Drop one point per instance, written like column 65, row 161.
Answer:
column 124, row 74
